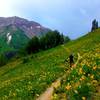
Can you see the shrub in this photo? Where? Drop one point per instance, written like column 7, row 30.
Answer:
column 25, row 60
column 3, row 60
column 33, row 45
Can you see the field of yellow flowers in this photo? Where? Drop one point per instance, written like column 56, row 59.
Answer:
column 83, row 81
column 26, row 78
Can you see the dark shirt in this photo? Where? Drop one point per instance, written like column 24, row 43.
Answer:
column 71, row 58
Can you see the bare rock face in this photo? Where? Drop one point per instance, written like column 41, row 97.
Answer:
column 30, row 28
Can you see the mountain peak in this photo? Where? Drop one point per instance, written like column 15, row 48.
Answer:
column 30, row 28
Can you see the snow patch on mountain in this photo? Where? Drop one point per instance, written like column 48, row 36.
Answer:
column 9, row 38
column 31, row 28
column 38, row 27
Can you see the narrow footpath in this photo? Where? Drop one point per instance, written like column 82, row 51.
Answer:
column 47, row 95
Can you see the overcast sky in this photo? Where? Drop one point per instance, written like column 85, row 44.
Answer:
column 71, row 17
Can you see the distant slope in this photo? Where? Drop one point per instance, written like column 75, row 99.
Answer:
column 28, row 77
column 88, row 41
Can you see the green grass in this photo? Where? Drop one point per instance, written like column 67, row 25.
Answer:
column 26, row 78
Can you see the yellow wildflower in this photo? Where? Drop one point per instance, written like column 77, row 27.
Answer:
column 68, row 87
column 94, row 68
column 88, row 74
column 92, row 76
column 80, row 70
column 94, row 81
column 14, row 94
column 83, row 98
column 76, row 91
column 55, row 96
column 82, row 78
column 76, row 84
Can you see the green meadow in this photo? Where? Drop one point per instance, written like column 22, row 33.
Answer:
column 27, row 77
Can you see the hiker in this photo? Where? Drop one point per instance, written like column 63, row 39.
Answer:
column 71, row 58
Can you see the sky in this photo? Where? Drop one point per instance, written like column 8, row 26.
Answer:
column 71, row 17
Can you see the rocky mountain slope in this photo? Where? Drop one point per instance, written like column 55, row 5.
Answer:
column 15, row 32
column 30, row 28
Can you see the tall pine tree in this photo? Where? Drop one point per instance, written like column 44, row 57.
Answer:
column 94, row 25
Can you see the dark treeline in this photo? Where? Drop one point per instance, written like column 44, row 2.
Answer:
column 94, row 25
column 6, row 57
column 50, row 40
column 3, row 60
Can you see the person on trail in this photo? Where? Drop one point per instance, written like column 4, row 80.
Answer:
column 71, row 58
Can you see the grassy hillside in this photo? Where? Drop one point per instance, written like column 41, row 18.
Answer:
column 28, row 77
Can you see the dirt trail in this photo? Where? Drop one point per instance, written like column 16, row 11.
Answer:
column 47, row 95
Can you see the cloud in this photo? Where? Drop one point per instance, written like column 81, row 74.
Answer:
column 5, row 8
